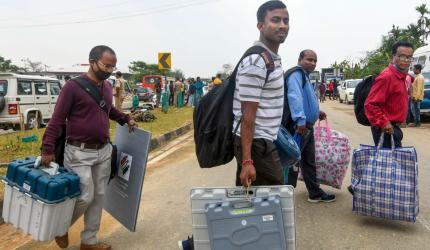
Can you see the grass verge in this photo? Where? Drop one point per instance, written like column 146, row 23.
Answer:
column 12, row 147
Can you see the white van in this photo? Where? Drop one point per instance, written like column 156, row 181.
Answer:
column 346, row 90
column 27, row 98
column 422, row 56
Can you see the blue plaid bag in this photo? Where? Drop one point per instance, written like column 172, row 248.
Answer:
column 385, row 182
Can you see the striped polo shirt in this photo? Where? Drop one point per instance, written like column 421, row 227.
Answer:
column 251, row 87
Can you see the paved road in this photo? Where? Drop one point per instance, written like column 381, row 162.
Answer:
column 165, row 210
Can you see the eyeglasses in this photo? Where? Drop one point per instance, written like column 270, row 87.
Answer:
column 404, row 58
column 107, row 66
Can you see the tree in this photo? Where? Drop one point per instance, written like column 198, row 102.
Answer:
column 7, row 66
column 140, row 68
column 34, row 66
column 376, row 60
column 226, row 71
column 423, row 22
column 177, row 73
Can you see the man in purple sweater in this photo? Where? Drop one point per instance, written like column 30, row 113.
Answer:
column 87, row 151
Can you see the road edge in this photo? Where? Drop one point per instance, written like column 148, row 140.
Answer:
column 169, row 136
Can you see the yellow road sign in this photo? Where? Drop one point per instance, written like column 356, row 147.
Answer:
column 164, row 61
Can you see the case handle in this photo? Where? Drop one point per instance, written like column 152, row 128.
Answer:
column 53, row 167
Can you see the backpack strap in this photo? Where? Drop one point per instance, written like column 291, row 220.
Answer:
column 292, row 70
column 92, row 90
column 264, row 53
column 268, row 59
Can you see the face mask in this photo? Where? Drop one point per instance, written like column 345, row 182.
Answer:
column 399, row 69
column 101, row 75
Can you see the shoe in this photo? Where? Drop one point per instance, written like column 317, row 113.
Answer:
column 62, row 241
column 98, row 246
column 187, row 244
column 411, row 125
column 322, row 198
column 350, row 189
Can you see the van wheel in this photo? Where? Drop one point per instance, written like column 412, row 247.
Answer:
column 32, row 122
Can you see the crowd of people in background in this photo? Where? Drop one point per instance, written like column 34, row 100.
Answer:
column 329, row 88
column 179, row 93
column 184, row 92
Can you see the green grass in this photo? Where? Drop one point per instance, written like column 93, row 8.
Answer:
column 164, row 123
column 11, row 146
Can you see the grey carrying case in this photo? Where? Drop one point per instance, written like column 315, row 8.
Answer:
column 201, row 196
column 251, row 224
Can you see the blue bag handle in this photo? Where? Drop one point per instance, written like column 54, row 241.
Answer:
column 381, row 142
column 298, row 140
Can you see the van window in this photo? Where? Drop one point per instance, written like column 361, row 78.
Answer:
column 426, row 80
column 422, row 60
column 40, row 88
column 3, row 87
column 54, row 88
column 24, row 87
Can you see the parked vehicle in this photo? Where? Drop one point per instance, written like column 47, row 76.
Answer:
column 28, row 99
column 422, row 56
column 425, row 104
column 346, row 90
column 145, row 94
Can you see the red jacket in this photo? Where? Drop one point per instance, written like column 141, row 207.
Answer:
column 388, row 98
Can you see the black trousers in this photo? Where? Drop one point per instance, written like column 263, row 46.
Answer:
column 398, row 136
column 308, row 166
column 266, row 162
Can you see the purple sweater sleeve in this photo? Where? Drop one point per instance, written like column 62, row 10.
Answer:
column 119, row 117
column 61, row 112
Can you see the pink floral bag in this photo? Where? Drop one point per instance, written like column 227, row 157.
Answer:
column 332, row 155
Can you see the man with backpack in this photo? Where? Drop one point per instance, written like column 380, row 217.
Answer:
column 87, row 151
column 258, row 102
column 386, row 106
column 248, row 105
column 304, row 109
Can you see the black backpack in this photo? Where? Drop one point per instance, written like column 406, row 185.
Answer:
column 213, row 117
column 360, row 94
column 287, row 121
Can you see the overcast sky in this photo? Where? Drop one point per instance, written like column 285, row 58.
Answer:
column 202, row 35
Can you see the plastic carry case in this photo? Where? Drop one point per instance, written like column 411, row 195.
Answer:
column 201, row 197
column 251, row 224
column 39, row 201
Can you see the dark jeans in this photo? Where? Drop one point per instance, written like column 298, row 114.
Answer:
column 266, row 162
column 416, row 112
column 308, row 166
column 398, row 136
column 410, row 116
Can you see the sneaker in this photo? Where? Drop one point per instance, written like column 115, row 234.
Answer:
column 350, row 189
column 322, row 198
column 187, row 244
